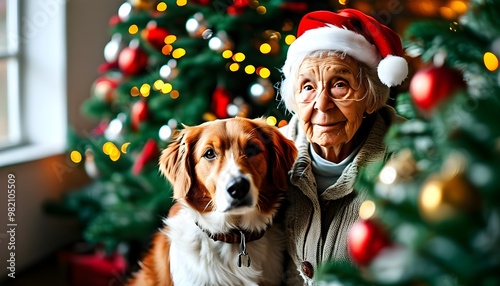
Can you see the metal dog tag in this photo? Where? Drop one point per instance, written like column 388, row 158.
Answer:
column 243, row 257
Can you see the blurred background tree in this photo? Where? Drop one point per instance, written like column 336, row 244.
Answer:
column 433, row 217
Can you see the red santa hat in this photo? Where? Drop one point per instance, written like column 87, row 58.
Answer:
column 354, row 33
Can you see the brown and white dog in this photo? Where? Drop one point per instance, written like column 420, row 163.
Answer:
column 228, row 178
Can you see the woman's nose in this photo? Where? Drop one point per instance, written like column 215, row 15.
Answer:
column 323, row 100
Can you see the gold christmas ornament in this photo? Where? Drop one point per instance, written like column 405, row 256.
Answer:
column 399, row 168
column 449, row 194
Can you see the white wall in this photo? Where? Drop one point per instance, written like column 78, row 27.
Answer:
column 65, row 45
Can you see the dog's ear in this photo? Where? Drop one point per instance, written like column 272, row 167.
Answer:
column 175, row 164
column 282, row 152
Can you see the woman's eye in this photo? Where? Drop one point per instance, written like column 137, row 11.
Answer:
column 307, row 87
column 340, row 84
column 209, row 154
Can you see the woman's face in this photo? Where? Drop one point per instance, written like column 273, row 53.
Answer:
column 328, row 122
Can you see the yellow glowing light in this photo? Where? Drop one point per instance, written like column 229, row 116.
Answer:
column 208, row 116
column 108, row 147
column 289, row 39
column 75, row 156
column 234, row 67
column 124, row 147
column 166, row 88
column 162, row 6
column 133, row 29
column 181, row 2
column 261, row 10
column 342, row 2
column 134, row 91
column 115, row 156
column 178, row 53
column 490, row 61
column 264, row 72
column 249, row 69
column 158, row 84
column 174, row 94
column 145, row 90
column 458, row 6
column 227, row 54
column 271, row 120
column 239, row 57
column 431, row 196
column 265, row 48
column 367, row 209
column 170, row 39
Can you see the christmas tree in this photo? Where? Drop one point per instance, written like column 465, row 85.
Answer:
column 169, row 64
column 433, row 217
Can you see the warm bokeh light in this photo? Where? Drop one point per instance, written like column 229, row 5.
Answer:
column 431, row 196
column 261, row 10
column 166, row 50
column 249, row 69
column 234, row 67
column 367, row 209
column 181, row 2
column 289, row 39
column 124, row 147
column 158, row 84
column 458, row 6
column 265, row 48
column 170, row 39
column 178, row 53
column 133, row 29
column 342, row 2
column 263, row 72
column 166, row 88
column 239, row 57
column 174, row 94
column 75, row 156
column 271, row 120
column 490, row 61
column 227, row 54
column 145, row 90
column 134, row 91
column 162, row 6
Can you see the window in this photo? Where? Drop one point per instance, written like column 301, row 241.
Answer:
column 9, row 75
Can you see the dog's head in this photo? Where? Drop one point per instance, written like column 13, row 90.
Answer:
column 229, row 166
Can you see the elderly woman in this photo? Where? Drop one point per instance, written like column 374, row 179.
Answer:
column 336, row 83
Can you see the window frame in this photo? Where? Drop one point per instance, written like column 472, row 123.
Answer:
column 42, row 98
column 13, row 57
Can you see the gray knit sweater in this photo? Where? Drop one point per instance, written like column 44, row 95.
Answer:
column 317, row 226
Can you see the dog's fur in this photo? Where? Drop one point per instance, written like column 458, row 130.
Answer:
column 208, row 166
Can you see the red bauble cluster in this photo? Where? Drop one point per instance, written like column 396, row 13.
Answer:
column 155, row 35
column 431, row 85
column 365, row 240
column 132, row 60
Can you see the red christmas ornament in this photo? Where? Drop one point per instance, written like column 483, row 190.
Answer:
column 132, row 60
column 114, row 20
column 138, row 114
column 105, row 88
column 149, row 152
column 200, row 2
column 220, row 100
column 96, row 269
column 155, row 35
column 431, row 85
column 365, row 240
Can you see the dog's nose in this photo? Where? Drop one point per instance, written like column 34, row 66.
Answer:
column 238, row 187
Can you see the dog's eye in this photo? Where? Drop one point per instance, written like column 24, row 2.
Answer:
column 209, row 154
column 252, row 150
